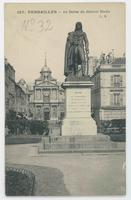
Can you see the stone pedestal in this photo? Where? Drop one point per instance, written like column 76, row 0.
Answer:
column 78, row 120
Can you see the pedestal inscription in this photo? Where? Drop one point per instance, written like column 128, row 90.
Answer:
column 78, row 103
column 78, row 119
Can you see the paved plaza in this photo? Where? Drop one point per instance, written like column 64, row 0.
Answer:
column 79, row 174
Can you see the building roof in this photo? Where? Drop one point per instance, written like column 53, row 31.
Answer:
column 22, row 81
column 118, row 65
column 8, row 65
column 119, row 61
column 45, row 68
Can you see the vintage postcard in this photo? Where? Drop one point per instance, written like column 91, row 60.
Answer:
column 65, row 102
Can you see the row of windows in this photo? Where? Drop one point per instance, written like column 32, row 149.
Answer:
column 45, row 95
column 115, row 81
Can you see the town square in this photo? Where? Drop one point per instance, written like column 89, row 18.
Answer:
column 65, row 100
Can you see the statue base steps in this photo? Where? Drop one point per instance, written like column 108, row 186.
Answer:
column 78, row 143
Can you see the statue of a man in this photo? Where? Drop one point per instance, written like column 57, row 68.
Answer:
column 76, row 51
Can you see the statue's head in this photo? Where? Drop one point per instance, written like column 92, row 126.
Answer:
column 78, row 26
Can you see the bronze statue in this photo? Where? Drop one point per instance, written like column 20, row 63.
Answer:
column 76, row 52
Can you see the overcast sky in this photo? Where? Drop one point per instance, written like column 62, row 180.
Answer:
column 29, row 36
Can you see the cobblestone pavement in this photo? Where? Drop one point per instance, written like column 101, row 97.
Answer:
column 83, row 174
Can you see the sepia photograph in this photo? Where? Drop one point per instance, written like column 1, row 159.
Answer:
column 65, row 99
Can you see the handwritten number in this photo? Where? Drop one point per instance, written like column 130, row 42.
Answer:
column 49, row 27
column 45, row 25
column 41, row 26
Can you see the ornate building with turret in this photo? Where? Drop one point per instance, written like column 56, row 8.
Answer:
column 47, row 100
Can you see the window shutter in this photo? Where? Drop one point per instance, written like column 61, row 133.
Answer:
column 111, row 99
column 112, row 81
column 121, row 81
column 121, row 99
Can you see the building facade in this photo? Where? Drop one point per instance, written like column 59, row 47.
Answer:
column 22, row 98
column 47, row 100
column 16, row 94
column 9, row 87
column 108, row 92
